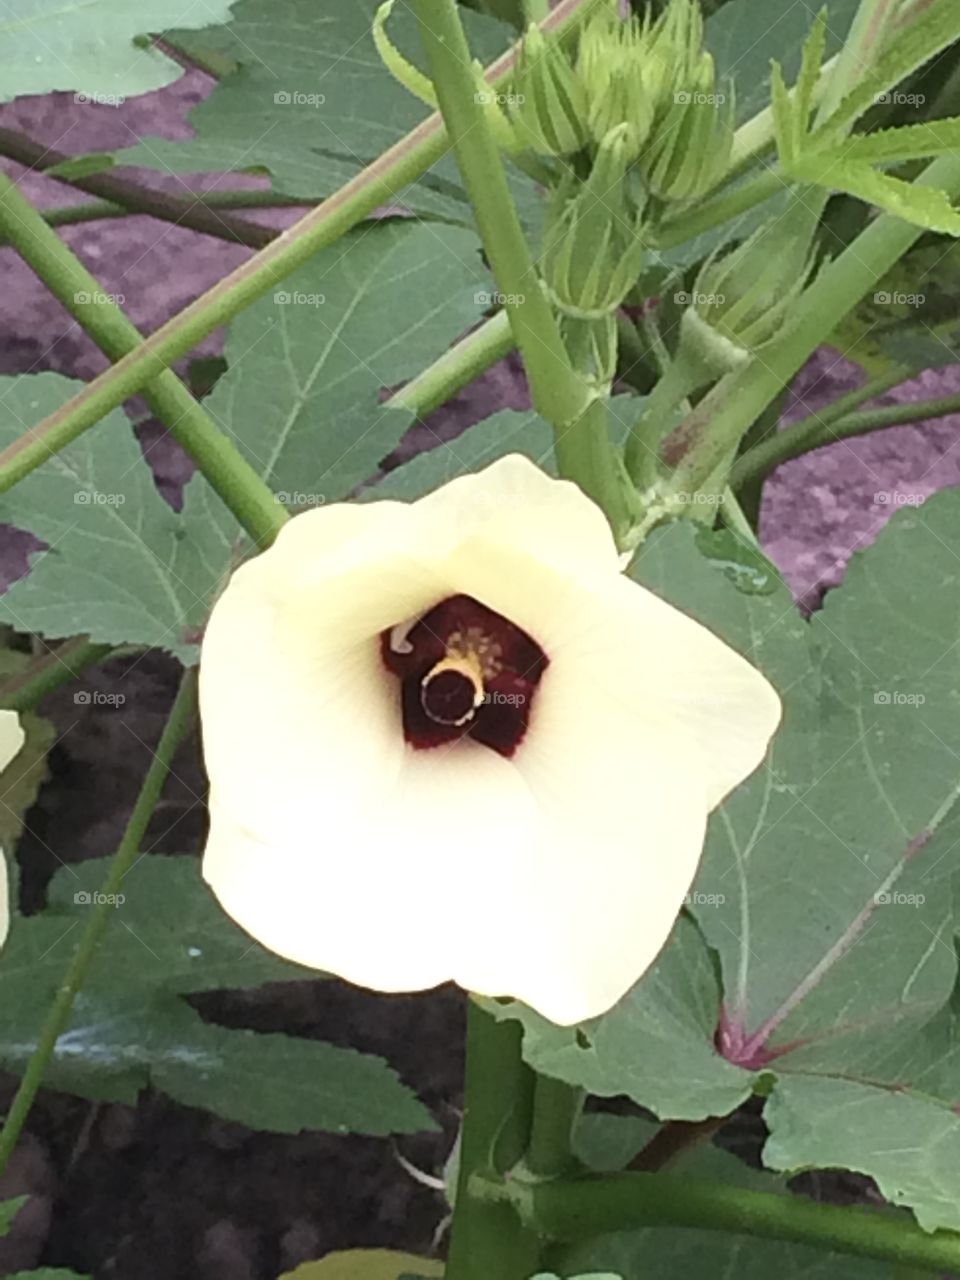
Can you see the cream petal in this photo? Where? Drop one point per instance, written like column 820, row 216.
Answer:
column 615, row 637
column 11, row 737
column 622, row 828
column 513, row 504
column 294, row 697
column 389, row 894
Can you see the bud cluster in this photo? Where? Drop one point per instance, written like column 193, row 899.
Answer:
column 634, row 113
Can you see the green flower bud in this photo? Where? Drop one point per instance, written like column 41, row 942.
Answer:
column 743, row 298
column 610, row 63
column 550, row 107
column 592, row 244
column 675, row 47
column 691, row 148
column 592, row 347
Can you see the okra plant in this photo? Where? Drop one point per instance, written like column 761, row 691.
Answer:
column 530, row 712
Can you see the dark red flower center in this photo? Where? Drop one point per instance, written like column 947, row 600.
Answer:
column 464, row 670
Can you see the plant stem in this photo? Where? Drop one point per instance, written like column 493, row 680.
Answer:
column 49, row 671
column 108, row 186
column 810, row 434
column 559, row 393
column 69, row 215
column 376, row 184
column 59, row 1013
column 488, row 1239
column 721, row 418
column 575, row 1208
column 721, row 209
column 234, row 479
column 466, row 360
column 556, row 1110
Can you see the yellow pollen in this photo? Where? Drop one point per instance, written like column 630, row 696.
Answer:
column 475, row 644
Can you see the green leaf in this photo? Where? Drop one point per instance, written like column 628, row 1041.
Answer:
column 119, row 566
column 311, row 103
column 8, row 1211
column 654, row 1046
column 931, row 28
column 912, row 319
column 785, row 119
column 743, row 46
column 300, row 397
column 365, row 1264
column 909, row 1146
column 300, row 401
column 909, row 142
column 130, row 1029
column 509, row 431
column 675, row 1253
column 184, row 941
column 811, row 63
column 607, row 1143
column 926, row 207
column 91, row 47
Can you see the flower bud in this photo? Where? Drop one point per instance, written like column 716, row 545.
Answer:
column 743, row 298
column 550, row 110
column 610, row 64
column 691, row 148
column 592, row 243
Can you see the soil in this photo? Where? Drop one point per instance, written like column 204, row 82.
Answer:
column 164, row 1192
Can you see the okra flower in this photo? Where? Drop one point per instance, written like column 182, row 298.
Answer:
column 11, row 740
column 451, row 740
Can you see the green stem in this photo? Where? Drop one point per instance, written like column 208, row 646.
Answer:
column 810, row 434
column 719, row 421
column 379, row 182
column 58, row 1016
column 234, row 479
column 465, row 361
column 109, row 186
column 556, row 1110
column 49, row 671
column 488, row 1239
column 723, row 208
column 70, row 215
column 559, row 393
column 572, row 1209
